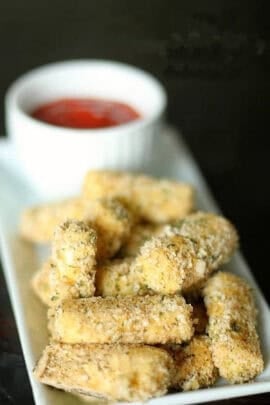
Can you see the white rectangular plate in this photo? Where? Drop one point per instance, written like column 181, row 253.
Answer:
column 20, row 259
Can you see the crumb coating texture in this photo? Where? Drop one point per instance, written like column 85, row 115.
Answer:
column 194, row 365
column 232, row 328
column 131, row 319
column 153, row 200
column 112, row 372
column 38, row 223
column 113, row 223
column 165, row 262
column 74, row 251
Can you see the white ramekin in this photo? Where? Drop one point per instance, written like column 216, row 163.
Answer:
column 55, row 159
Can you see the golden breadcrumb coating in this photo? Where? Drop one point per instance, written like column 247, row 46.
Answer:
column 107, row 183
column 182, row 257
column 131, row 319
column 110, row 217
column 232, row 328
column 140, row 233
column 114, row 278
column 133, row 242
column 194, row 365
column 153, row 200
column 113, row 372
column 40, row 283
column 74, row 250
column 165, row 262
column 215, row 235
column 113, row 222
column 38, row 223
column 161, row 200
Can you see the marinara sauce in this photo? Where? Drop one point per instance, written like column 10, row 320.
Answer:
column 85, row 113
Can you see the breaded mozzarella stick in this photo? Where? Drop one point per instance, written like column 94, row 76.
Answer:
column 216, row 236
column 161, row 200
column 109, row 217
column 183, row 257
column 165, row 262
column 74, row 258
column 38, row 223
column 112, row 372
column 232, row 328
column 113, row 222
column 131, row 319
column 153, row 200
column 194, row 365
column 107, row 183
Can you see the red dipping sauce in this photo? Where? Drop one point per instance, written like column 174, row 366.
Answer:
column 85, row 113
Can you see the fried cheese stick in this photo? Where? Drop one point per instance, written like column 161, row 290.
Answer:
column 131, row 319
column 74, row 248
column 232, row 328
column 108, row 183
column 154, row 200
column 113, row 223
column 38, row 223
column 184, row 257
column 165, row 262
column 113, row 372
column 216, row 236
column 194, row 365
column 112, row 278
column 172, row 262
column 161, row 200
column 111, row 219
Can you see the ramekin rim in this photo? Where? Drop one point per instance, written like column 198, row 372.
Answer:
column 12, row 94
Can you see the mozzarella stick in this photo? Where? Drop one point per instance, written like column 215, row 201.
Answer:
column 107, row 183
column 131, row 319
column 194, row 365
column 183, row 257
column 41, row 283
column 232, row 328
column 38, row 223
column 112, row 279
column 217, row 237
column 113, row 222
column 115, row 279
column 74, row 258
column 154, row 200
column 165, row 262
column 112, row 372
column 111, row 219
column 161, row 200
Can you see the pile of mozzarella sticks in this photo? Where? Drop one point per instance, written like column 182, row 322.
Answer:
column 136, row 306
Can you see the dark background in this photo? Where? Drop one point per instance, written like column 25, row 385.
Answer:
column 213, row 58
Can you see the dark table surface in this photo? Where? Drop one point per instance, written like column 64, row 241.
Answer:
column 213, row 58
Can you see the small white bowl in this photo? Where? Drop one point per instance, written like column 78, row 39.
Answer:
column 55, row 159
